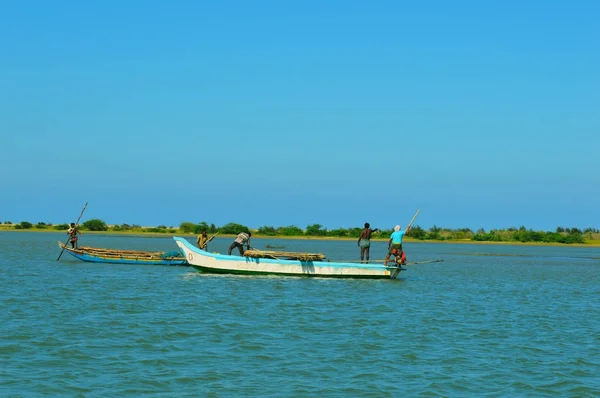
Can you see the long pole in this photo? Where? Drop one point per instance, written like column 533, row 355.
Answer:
column 208, row 240
column 413, row 219
column 76, row 224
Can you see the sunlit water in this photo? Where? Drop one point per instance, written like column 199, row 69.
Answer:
column 493, row 320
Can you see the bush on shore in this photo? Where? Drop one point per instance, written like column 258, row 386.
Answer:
column 560, row 235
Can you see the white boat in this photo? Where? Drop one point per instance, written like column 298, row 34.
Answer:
column 317, row 267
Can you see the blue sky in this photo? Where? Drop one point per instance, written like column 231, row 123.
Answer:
column 481, row 113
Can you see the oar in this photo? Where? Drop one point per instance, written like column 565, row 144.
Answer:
column 76, row 224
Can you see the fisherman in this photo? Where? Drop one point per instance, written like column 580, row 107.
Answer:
column 203, row 240
column 242, row 237
column 364, row 241
column 395, row 245
column 73, row 231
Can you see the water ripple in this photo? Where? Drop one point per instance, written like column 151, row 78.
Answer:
column 520, row 325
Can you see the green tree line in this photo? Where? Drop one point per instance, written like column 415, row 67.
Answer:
column 435, row 233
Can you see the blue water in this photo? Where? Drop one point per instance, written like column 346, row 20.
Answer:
column 491, row 320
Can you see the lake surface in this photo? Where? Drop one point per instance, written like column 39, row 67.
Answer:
column 491, row 320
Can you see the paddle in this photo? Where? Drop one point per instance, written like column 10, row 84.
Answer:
column 76, row 224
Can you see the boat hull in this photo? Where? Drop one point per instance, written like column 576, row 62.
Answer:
column 226, row 264
column 139, row 258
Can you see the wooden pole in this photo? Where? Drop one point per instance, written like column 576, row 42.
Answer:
column 76, row 224
column 208, row 240
column 413, row 219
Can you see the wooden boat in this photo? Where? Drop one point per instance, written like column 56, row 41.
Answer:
column 118, row 256
column 282, row 263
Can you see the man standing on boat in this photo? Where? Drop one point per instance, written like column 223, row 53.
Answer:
column 395, row 244
column 203, row 240
column 241, row 239
column 73, row 231
column 364, row 241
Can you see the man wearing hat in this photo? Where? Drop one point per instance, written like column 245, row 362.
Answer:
column 395, row 243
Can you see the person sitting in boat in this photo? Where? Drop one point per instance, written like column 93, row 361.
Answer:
column 73, row 231
column 395, row 244
column 364, row 241
column 203, row 240
column 241, row 239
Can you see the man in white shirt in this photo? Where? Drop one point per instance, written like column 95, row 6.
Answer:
column 240, row 240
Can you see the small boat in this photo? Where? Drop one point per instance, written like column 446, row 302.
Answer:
column 282, row 263
column 118, row 256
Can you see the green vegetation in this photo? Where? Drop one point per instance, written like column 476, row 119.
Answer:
column 211, row 229
column 187, row 227
column 561, row 235
column 125, row 227
column 290, row 230
column 95, row 225
column 24, row 225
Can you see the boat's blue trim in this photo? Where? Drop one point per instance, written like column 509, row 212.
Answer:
column 122, row 260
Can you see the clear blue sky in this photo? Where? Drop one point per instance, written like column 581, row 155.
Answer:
column 481, row 113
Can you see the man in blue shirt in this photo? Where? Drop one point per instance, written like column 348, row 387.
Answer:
column 395, row 243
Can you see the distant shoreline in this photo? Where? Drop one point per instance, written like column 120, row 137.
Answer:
column 407, row 239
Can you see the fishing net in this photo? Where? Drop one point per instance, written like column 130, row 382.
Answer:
column 170, row 254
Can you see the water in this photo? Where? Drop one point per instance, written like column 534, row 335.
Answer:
column 493, row 320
